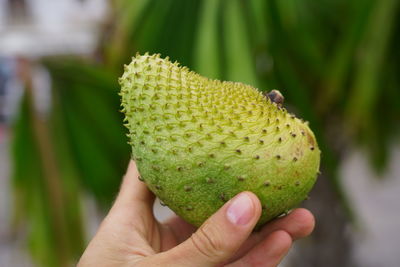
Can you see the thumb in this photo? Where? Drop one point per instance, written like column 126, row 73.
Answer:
column 221, row 235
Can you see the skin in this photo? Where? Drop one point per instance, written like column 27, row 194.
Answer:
column 131, row 236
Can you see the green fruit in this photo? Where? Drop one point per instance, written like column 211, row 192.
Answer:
column 199, row 142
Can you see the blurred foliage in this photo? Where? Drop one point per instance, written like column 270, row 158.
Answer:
column 335, row 61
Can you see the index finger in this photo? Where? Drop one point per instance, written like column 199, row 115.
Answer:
column 134, row 192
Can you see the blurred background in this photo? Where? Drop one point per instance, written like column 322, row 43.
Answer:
column 63, row 148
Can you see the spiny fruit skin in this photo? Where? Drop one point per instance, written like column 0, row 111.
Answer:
column 199, row 142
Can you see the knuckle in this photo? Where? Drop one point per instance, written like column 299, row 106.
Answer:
column 208, row 243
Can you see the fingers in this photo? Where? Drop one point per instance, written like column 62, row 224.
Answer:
column 133, row 191
column 268, row 253
column 299, row 223
column 220, row 236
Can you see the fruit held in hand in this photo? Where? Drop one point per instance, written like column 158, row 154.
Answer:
column 199, row 142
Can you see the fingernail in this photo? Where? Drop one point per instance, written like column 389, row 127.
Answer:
column 240, row 210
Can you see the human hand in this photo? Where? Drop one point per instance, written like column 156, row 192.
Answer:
column 131, row 236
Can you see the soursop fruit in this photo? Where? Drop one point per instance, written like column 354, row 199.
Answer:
column 198, row 142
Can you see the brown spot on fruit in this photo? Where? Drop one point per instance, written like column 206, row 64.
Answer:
column 187, row 188
column 189, row 208
column 276, row 97
column 222, row 196
column 310, row 138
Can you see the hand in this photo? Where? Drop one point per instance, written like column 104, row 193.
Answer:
column 131, row 236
